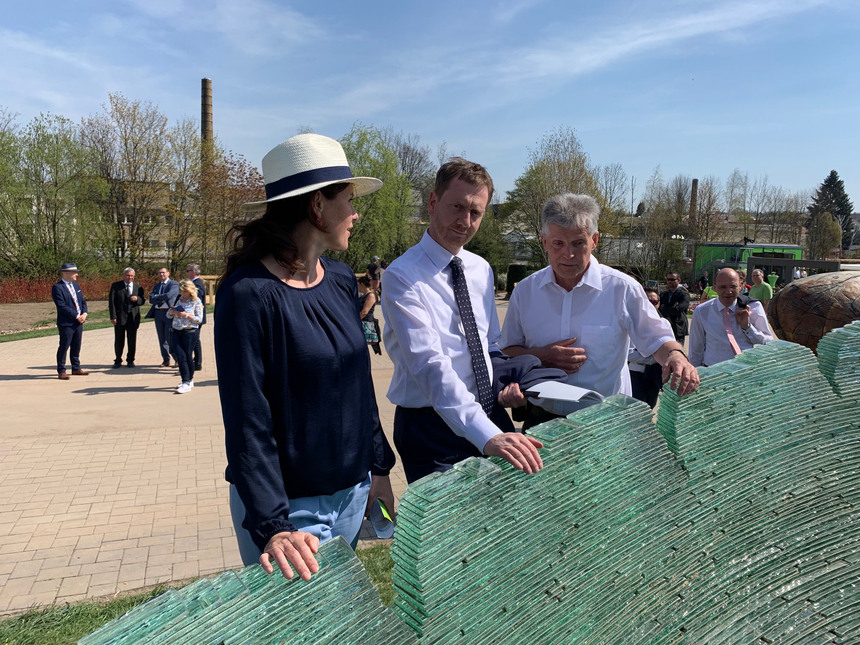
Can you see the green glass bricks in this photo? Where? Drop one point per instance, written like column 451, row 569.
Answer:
column 735, row 519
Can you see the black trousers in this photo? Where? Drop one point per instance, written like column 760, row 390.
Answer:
column 181, row 346
column 648, row 384
column 198, row 351
column 120, row 333
column 427, row 445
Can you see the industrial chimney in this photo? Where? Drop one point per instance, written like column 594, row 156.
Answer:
column 207, row 138
column 694, row 199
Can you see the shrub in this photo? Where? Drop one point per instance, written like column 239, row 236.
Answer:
column 95, row 287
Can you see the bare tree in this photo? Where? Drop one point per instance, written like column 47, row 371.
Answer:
column 414, row 162
column 181, row 219
column 131, row 141
column 737, row 194
column 783, row 220
column 709, row 223
column 612, row 193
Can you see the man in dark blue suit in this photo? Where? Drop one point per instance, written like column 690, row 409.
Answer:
column 192, row 272
column 124, row 301
column 71, row 314
column 164, row 294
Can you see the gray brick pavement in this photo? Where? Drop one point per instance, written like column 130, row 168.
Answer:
column 110, row 482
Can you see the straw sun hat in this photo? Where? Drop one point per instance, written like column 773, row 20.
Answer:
column 305, row 163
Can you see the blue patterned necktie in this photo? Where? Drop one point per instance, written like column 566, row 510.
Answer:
column 476, row 352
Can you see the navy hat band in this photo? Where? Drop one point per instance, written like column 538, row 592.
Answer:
column 307, row 178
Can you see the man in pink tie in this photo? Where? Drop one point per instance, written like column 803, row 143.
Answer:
column 725, row 326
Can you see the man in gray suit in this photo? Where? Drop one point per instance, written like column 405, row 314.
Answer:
column 164, row 294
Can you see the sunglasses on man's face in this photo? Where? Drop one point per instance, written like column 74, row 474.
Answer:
column 671, row 279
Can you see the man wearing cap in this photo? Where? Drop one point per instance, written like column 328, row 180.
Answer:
column 164, row 294
column 71, row 314
column 124, row 301
column 441, row 330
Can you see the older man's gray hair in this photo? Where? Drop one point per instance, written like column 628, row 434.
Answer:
column 570, row 211
column 127, row 269
column 193, row 267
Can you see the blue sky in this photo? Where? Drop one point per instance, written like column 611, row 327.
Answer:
column 697, row 87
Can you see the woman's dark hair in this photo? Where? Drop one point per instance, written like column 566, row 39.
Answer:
column 364, row 280
column 273, row 232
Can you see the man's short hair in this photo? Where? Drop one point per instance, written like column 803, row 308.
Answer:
column 127, row 269
column 570, row 211
column 464, row 170
column 194, row 267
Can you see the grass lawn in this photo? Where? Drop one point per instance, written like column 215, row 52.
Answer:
column 68, row 623
column 95, row 320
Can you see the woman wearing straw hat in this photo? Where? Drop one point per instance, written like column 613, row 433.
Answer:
column 306, row 453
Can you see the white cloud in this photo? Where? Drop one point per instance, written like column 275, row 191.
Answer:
column 562, row 58
column 505, row 12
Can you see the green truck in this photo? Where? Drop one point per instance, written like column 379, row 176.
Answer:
column 713, row 256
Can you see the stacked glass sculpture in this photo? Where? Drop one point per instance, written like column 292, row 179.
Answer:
column 338, row 605
column 734, row 520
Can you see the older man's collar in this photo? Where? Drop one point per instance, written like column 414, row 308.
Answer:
column 591, row 277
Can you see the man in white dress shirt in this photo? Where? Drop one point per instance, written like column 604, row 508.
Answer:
column 580, row 315
column 721, row 329
column 440, row 418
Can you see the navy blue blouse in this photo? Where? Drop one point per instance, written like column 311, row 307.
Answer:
column 300, row 415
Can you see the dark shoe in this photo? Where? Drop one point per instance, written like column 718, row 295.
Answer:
column 117, row 364
column 130, row 364
column 165, row 364
column 80, row 373
column 63, row 376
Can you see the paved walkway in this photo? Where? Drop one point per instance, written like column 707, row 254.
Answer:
column 111, row 482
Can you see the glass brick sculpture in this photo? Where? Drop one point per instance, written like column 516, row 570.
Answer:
column 734, row 519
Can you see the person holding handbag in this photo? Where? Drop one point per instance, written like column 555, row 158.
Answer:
column 367, row 298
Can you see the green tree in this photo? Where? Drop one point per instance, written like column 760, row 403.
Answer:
column 559, row 164
column 386, row 227
column 823, row 236
column 49, row 205
column 832, row 198
column 490, row 244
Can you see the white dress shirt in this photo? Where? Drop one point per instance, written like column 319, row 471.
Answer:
column 606, row 312
column 74, row 295
column 709, row 343
column 425, row 339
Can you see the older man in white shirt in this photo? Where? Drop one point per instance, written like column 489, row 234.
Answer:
column 721, row 328
column 441, row 353
column 580, row 315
